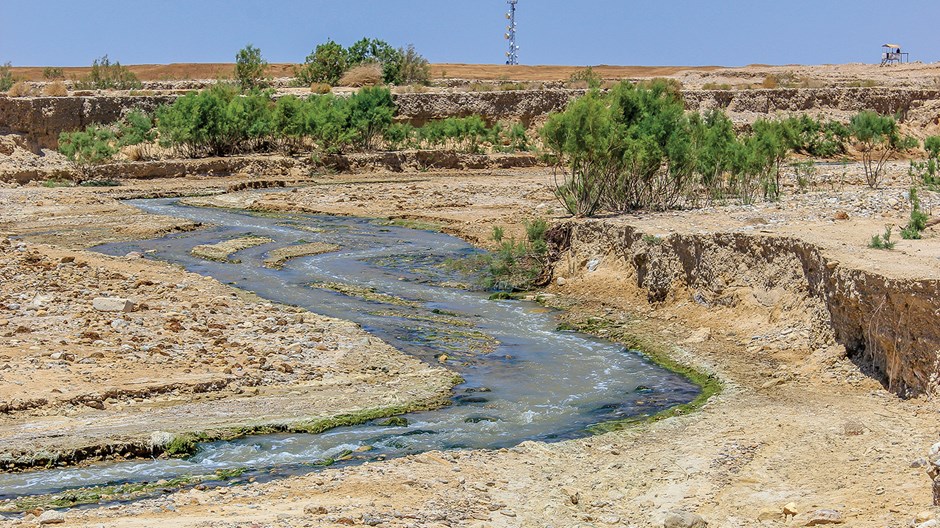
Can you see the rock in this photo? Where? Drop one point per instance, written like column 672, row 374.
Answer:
column 134, row 255
column 94, row 404
column 924, row 516
column 683, row 519
column 770, row 514
column 574, row 496
column 112, row 304
column 315, row 510
column 841, row 215
column 561, row 281
column 593, row 264
column 789, row 509
column 821, row 517
column 51, row 517
column 928, row 524
column 699, row 336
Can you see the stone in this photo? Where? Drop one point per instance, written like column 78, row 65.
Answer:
column 770, row 514
column 683, row 519
column 593, row 264
column 789, row 509
column 933, row 523
column 699, row 336
column 561, row 281
column 112, row 304
column 924, row 516
column 822, row 517
column 51, row 517
column 94, row 404
column 574, row 496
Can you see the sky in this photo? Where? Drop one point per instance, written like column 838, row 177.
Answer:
column 587, row 32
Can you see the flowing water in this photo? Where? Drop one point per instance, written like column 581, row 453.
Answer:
column 524, row 379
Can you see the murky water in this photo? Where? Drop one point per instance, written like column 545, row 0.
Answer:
column 524, row 379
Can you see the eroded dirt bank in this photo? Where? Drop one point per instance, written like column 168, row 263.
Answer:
column 798, row 422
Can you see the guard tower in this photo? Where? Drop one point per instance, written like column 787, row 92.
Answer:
column 891, row 54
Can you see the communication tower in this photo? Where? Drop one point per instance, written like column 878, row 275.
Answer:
column 512, row 56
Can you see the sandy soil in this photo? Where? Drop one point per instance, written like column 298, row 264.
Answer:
column 797, row 422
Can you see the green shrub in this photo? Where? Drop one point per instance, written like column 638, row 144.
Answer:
column 218, row 121
column 918, row 221
column 370, row 113
column 89, row 147
column 882, row 241
column 517, row 266
column 876, row 137
column 249, row 68
column 135, row 128
column 326, row 64
column 932, row 146
column 106, row 75
column 6, row 77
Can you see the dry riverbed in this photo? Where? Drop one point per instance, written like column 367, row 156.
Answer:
column 800, row 435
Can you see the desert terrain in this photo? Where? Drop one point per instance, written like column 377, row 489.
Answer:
column 825, row 349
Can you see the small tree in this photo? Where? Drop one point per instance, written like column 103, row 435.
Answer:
column 876, row 137
column 249, row 68
column 378, row 51
column 326, row 64
column 414, row 68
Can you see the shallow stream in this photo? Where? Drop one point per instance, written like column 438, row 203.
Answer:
column 524, row 380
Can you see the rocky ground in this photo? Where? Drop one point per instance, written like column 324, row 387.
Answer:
column 801, row 434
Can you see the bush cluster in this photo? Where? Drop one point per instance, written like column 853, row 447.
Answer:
column 98, row 144
column 517, row 265
column 329, row 61
column 465, row 134
column 634, row 147
column 221, row 121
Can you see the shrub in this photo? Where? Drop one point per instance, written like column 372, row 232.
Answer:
column 55, row 89
column 20, row 89
column 414, row 69
column 517, row 266
column 932, row 146
column 326, row 64
column 249, row 68
column 876, row 137
column 918, row 222
column 370, row 113
column 586, row 77
column 52, row 74
column 135, row 128
column 6, row 77
column 89, row 147
column 882, row 241
column 320, row 88
column 217, row 121
column 105, row 75
column 630, row 148
column 369, row 74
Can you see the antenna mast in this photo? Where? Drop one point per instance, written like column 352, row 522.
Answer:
column 512, row 56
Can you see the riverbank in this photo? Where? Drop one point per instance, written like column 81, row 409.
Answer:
column 798, row 422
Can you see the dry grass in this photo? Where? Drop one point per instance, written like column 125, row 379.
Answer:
column 363, row 75
column 55, row 89
column 20, row 89
column 320, row 88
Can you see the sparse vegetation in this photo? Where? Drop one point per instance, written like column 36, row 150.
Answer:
column 367, row 74
column 52, row 74
column 586, row 78
column 918, row 221
column 882, row 241
column 517, row 265
column 55, row 89
column 326, row 64
column 6, row 77
column 20, row 89
column 106, row 75
column 88, row 148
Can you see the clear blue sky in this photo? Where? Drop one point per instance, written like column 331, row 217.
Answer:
column 588, row 32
